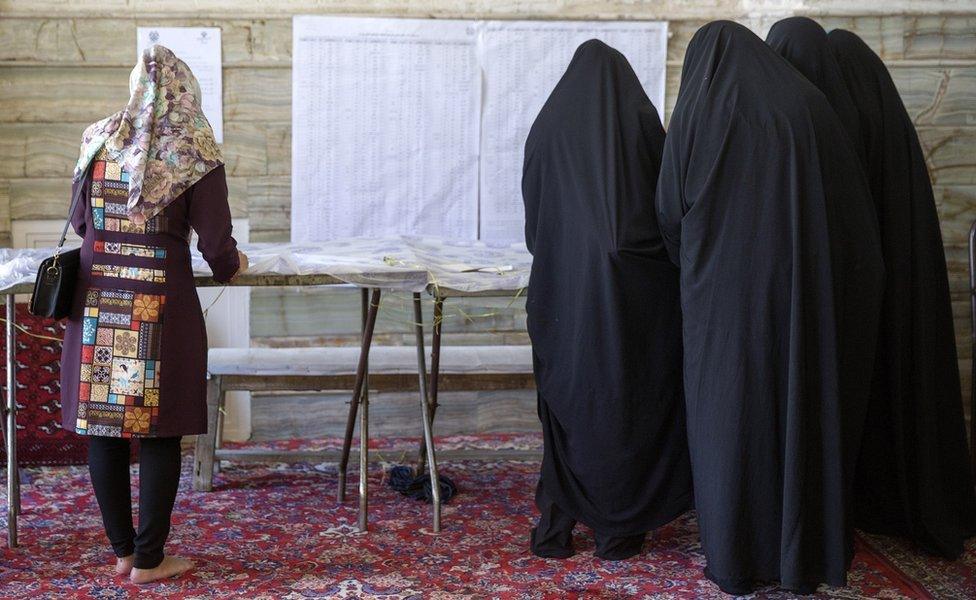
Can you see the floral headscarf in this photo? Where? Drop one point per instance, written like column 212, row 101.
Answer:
column 161, row 138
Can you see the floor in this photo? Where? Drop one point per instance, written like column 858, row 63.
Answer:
column 275, row 531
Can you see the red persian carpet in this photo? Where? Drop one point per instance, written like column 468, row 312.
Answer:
column 271, row 531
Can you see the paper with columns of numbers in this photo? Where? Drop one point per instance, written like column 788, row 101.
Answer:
column 417, row 126
column 199, row 48
column 522, row 63
column 384, row 128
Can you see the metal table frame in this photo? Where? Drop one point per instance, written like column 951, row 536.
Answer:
column 440, row 295
column 360, row 399
column 360, row 403
column 9, row 420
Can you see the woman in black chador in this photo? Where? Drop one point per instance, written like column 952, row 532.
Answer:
column 603, row 313
column 913, row 476
column 803, row 42
column 764, row 207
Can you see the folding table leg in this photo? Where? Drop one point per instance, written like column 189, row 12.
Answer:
column 435, row 486
column 364, row 431
column 3, row 418
column 435, row 369
column 13, row 467
column 3, row 423
column 367, row 339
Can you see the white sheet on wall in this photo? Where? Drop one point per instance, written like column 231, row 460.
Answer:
column 417, row 126
column 522, row 63
column 383, row 136
column 199, row 48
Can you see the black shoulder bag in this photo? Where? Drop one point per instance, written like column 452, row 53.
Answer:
column 54, row 287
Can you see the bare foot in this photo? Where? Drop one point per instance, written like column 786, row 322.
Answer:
column 123, row 565
column 172, row 566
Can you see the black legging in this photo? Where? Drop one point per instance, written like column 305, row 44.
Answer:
column 159, row 478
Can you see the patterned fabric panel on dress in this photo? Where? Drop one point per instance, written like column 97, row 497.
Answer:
column 122, row 328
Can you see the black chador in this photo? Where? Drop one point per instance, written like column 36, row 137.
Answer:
column 913, row 476
column 803, row 42
column 603, row 313
column 764, row 207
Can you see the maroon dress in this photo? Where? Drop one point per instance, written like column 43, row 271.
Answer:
column 135, row 350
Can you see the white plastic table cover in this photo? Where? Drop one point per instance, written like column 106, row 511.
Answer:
column 470, row 266
column 401, row 263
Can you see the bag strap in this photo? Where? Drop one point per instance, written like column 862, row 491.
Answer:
column 71, row 211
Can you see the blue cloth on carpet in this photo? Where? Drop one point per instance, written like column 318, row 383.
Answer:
column 403, row 480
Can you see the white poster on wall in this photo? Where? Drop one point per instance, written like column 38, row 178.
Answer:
column 382, row 123
column 199, row 48
column 417, row 126
column 522, row 62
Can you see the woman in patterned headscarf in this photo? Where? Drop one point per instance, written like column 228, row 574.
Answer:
column 145, row 176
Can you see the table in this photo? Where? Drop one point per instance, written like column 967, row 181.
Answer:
column 358, row 263
column 402, row 263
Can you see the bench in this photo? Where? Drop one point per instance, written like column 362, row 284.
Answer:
column 390, row 368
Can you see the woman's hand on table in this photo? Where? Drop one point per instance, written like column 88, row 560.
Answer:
column 243, row 264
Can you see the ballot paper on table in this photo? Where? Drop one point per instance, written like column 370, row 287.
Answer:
column 384, row 128
column 199, row 48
